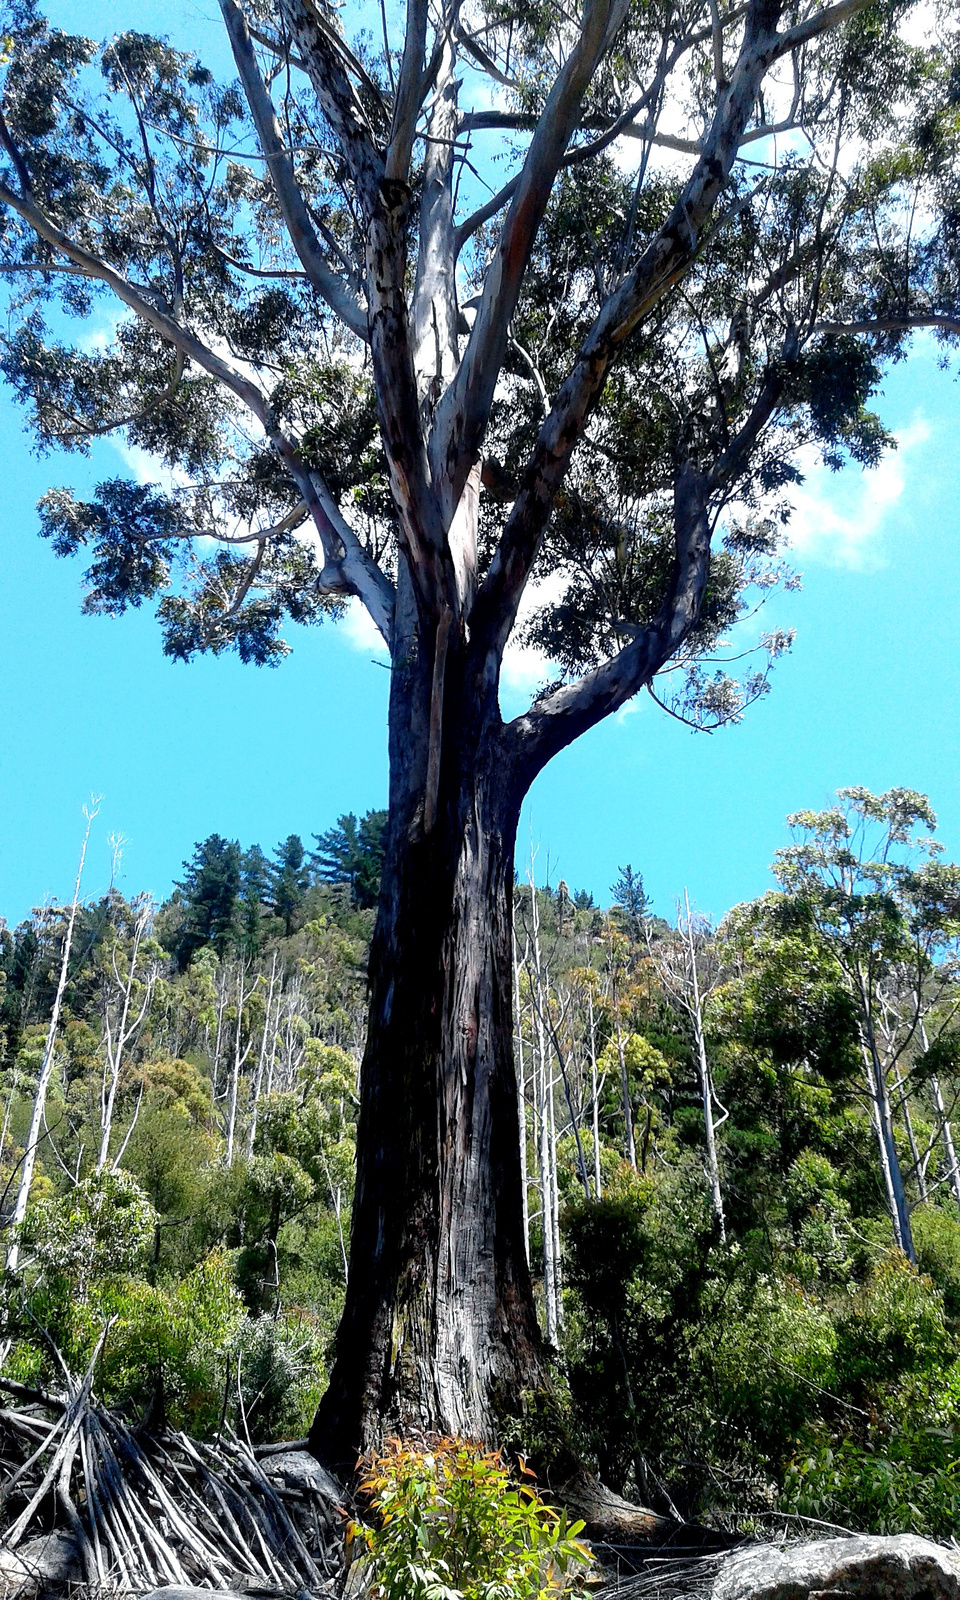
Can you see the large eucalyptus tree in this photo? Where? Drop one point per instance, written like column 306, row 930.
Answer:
column 542, row 293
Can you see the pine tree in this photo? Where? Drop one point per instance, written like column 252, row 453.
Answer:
column 628, row 893
column 289, row 880
column 255, row 892
column 351, row 853
column 210, row 890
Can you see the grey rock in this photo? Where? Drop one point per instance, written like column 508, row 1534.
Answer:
column 176, row 1591
column 900, row 1568
column 45, row 1562
column 298, row 1469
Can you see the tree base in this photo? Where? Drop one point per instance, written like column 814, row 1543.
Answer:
column 611, row 1520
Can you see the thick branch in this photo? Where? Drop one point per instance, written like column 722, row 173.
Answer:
column 940, row 323
column 821, row 22
column 560, row 717
column 463, row 412
column 664, row 262
column 317, row 46
column 385, row 204
column 328, row 285
column 356, row 571
column 409, row 92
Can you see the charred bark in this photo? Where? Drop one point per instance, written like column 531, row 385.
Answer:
column 439, row 1331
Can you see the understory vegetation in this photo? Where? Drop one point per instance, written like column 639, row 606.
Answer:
column 742, row 1196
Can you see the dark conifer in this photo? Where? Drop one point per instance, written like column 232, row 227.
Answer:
column 210, row 890
column 352, row 854
column 289, row 880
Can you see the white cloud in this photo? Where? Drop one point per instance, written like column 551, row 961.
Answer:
column 838, row 519
column 361, row 632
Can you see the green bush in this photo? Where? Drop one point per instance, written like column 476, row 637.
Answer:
column 907, row 1483
column 936, row 1237
column 278, row 1373
column 451, row 1524
column 892, row 1326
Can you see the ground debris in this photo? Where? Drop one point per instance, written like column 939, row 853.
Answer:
column 130, row 1512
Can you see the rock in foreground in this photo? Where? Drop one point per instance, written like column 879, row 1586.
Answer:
column 900, row 1568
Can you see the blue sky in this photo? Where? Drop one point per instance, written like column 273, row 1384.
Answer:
column 869, row 696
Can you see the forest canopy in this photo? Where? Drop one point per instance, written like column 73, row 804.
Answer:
column 809, row 1364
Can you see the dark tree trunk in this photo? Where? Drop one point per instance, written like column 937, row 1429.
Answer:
column 439, row 1331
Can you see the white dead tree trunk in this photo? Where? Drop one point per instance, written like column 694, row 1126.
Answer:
column 120, row 1030
column 46, row 1068
column 679, row 967
column 595, row 1087
column 262, row 1059
column 521, row 1099
column 239, row 1057
column 550, row 1226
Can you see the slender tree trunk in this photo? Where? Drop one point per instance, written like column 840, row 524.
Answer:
column 439, row 1330
column 117, row 1044
column 595, row 1096
column 703, row 1068
column 889, row 1159
column 46, row 1068
column 631, row 1147
column 917, row 1164
column 548, row 1143
column 261, row 1060
column 948, row 1144
column 238, row 1060
column 554, row 1208
column 546, row 1188
column 521, row 1101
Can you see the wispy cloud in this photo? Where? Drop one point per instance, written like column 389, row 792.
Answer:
column 361, row 632
column 839, row 518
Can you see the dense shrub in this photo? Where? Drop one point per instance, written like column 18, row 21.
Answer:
column 450, row 1523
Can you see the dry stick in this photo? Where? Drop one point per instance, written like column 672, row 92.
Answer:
column 15, row 1534
column 24, row 1424
column 249, row 1506
column 193, row 1538
column 21, row 1471
column 164, row 1560
column 114, row 1536
column 190, row 1536
column 288, row 1527
column 262, row 1502
column 93, row 1506
column 37, row 1397
column 71, row 1512
column 240, row 1547
column 126, row 1511
column 238, row 1542
column 70, row 1426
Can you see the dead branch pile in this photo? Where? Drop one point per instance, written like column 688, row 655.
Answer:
column 148, row 1510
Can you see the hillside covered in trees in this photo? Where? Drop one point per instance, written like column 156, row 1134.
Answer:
column 741, row 1188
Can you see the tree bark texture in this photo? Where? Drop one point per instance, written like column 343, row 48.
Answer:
column 439, row 1331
